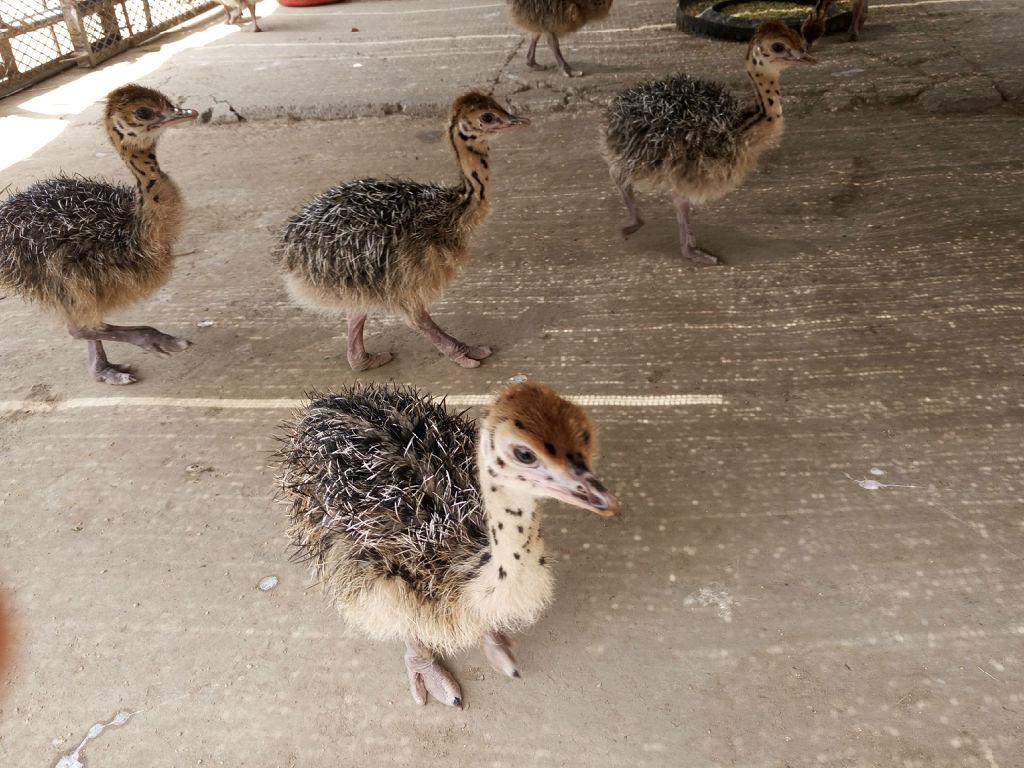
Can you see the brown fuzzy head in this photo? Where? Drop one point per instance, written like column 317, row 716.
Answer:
column 477, row 115
column 542, row 445
column 775, row 47
column 135, row 116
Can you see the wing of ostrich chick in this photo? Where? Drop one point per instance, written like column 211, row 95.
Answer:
column 679, row 124
column 390, row 477
column 67, row 230
column 351, row 234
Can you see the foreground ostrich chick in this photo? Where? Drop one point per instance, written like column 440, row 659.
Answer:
column 692, row 138
column 85, row 248
column 397, row 244
column 555, row 19
column 427, row 532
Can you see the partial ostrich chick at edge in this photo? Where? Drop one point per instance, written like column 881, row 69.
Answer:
column 234, row 8
column 397, row 244
column 85, row 248
column 813, row 27
column 691, row 136
column 555, row 19
column 426, row 532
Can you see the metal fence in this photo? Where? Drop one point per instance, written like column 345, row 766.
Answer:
column 40, row 37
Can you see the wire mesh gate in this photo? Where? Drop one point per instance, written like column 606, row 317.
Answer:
column 41, row 37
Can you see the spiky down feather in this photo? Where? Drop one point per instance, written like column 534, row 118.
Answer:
column 372, row 240
column 678, row 126
column 381, row 484
column 66, row 235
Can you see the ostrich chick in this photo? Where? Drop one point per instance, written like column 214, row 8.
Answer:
column 426, row 532
column 234, row 8
column 813, row 27
column 396, row 244
column 84, row 248
column 692, row 137
column 554, row 19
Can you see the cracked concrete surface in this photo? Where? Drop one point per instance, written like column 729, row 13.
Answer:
column 761, row 603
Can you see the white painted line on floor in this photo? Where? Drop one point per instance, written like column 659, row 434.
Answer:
column 285, row 404
column 355, row 12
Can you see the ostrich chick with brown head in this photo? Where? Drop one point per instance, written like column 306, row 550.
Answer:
column 692, row 137
column 397, row 244
column 555, row 19
column 85, row 248
column 427, row 531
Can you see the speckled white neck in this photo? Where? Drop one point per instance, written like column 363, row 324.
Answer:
column 515, row 583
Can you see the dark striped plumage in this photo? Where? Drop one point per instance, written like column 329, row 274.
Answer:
column 381, row 483
column 680, row 122
column 367, row 235
column 65, row 234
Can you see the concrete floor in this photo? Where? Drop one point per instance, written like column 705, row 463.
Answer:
column 754, row 606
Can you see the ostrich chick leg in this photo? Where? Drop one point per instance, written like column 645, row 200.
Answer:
column 252, row 12
column 629, row 200
column 531, row 53
column 426, row 674
column 860, row 12
column 105, row 371
column 687, row 242
column 497, row 649
column 555, row 49
column 358, row 357
column 149, row 339
column 449, row 346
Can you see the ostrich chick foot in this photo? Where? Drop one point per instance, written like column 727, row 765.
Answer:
column 632, row 228
column 498, row 650
column 463, row 354
column 163, row 344
column 368, row 362
column 428, row 675
column 105, row 371
column 111, row 373
column 700, row 256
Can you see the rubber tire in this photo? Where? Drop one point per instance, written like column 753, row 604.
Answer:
column 714, row 23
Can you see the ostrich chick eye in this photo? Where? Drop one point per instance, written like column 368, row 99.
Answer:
column 524, row 455
column 778, row 47
column 487, row 118
column 145, row 113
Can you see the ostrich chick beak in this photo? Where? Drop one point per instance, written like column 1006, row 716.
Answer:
column 515, row 121
column 581, row 489
column 176, row 116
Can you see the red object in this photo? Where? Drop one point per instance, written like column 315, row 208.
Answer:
column 302, row 3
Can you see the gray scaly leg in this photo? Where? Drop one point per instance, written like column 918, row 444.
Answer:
column 635, row 222
column 142, row 336
column 531, row 53
column 105, row 371
column 426, row 675
column 687, row 242
column 555, row 49
column 358, row 357
column 252, row 12
column 449, row 346
column 498, row 650
column 860, row 12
